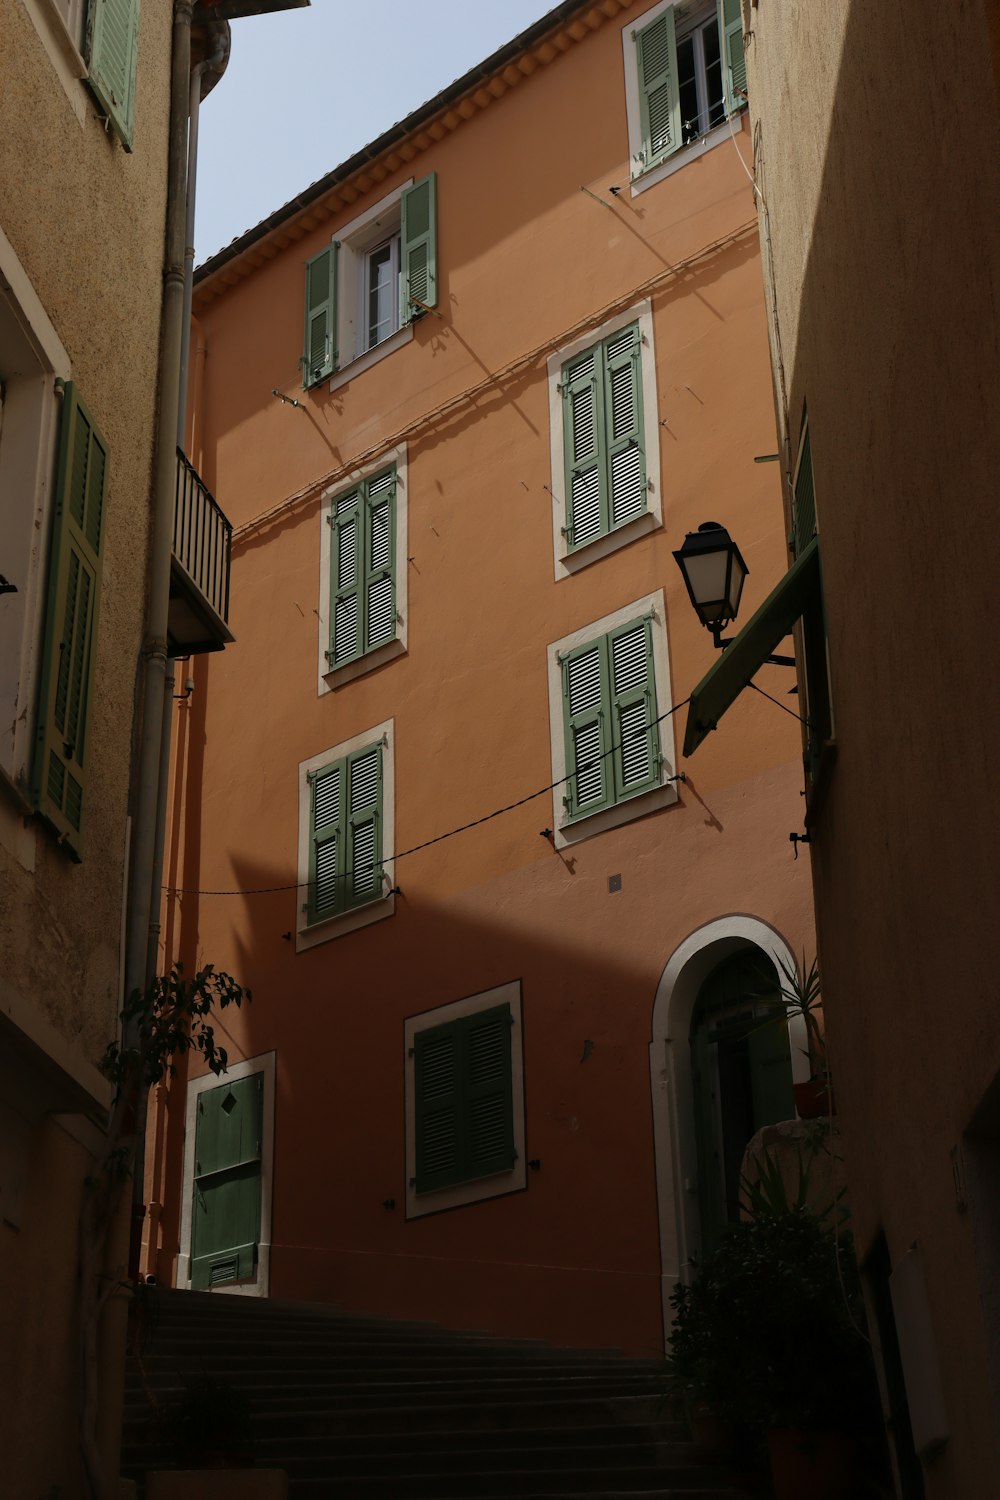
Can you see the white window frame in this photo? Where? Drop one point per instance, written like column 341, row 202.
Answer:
column 329, row 680
column 309, row 934
column 59, row 24
column 356, row 240
column 568, row 830
column 478, row 1188
column 567, row 561
column 642, row 180
column 29, row 430
column 264, row 1063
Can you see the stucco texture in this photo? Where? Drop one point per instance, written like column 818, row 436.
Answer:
column 882, row 184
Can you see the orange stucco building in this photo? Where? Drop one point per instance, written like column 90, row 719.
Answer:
column 496, row 1071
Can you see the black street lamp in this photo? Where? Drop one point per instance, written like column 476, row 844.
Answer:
column 714, row 571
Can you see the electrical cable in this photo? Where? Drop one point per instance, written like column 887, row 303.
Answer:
column 390, row 859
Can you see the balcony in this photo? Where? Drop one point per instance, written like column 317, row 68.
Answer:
column 199, row 568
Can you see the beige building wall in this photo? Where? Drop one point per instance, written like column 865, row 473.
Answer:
column 875, row 134
column 81, row 246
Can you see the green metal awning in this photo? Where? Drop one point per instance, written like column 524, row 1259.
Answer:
column 722, row 685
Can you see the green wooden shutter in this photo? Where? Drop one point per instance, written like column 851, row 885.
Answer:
column 659, row 98
column 111, row 46
column 633, row 697
column 804, row 500
column 418, row 248
column 347, row 567
column 72, row 606
column 626, row 460
column 380, row 556
column 584, row 445
column 463, row 1099
column 490, row 1136
column 319, row 359
column 587, row 720
column 225, row 1226
column 364, row 825
column 734, row 68
column 327, row 841
column 436, row 1074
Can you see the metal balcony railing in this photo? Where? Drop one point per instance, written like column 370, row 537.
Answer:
column 202, row 547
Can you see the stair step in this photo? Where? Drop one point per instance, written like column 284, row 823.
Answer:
column 377, row 1409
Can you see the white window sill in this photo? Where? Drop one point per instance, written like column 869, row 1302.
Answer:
column 729, row 129
column 344, row 922
column 371, row 357
column 602, row 546
column 587, row 825
column 351, row 670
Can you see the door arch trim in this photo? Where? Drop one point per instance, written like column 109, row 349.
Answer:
column 674, row 1144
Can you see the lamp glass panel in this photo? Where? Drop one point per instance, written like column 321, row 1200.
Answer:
column 706, row 573
column 736, row 578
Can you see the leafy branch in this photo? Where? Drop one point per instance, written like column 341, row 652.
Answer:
column 167, row 1020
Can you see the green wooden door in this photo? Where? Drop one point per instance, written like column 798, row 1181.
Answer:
column 225, row 1223
column 741, row 1074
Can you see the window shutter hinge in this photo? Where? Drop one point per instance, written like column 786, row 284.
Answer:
column 311, row 775
column 411, row 1051
column 413, row 1182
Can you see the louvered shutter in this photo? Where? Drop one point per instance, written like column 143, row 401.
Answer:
column 347, row 522
column 225, row 1224
column 490, row 1134
column 583, row 439
column 72, row 607
column 803, row 500
column 734, row 68
column 659, row 97
column 626, row 462
column 633, row 696
column 418, row 248
column 111, row 47
column 319, row 359
column 380, row 547
column 463, row 1099
column 587, row 718
column 364, row 825
column 327, row 841
column 436, row 1074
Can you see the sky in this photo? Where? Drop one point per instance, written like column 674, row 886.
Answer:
column 305, row 89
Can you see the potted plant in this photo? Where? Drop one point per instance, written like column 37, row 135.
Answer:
column 208, row 1425
column 770, row 1334
column 802, row 998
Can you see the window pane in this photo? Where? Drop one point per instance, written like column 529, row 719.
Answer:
column 688, row 88
column 381, row 321
column 713, row 75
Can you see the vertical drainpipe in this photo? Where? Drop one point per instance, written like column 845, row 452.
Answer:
column 215, row 63
column 154, row 645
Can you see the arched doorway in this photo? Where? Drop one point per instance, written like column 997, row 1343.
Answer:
column 741, row 1078
column 675, row 1131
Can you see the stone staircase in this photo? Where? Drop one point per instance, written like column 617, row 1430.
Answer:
column 360, row 1407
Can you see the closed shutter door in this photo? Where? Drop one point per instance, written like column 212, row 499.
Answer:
column 380, row 591
column 583, row 436
column 623, row 425
column 587, row 718
column 435, row 1081
column 327, row 852
column 490, row 1142
column 633, row 695
column 112, row 46
column 659, row 97
column 226, row 1213
column 72, row 610
column 347, row 567
column 364, row 825
column 418, row 252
